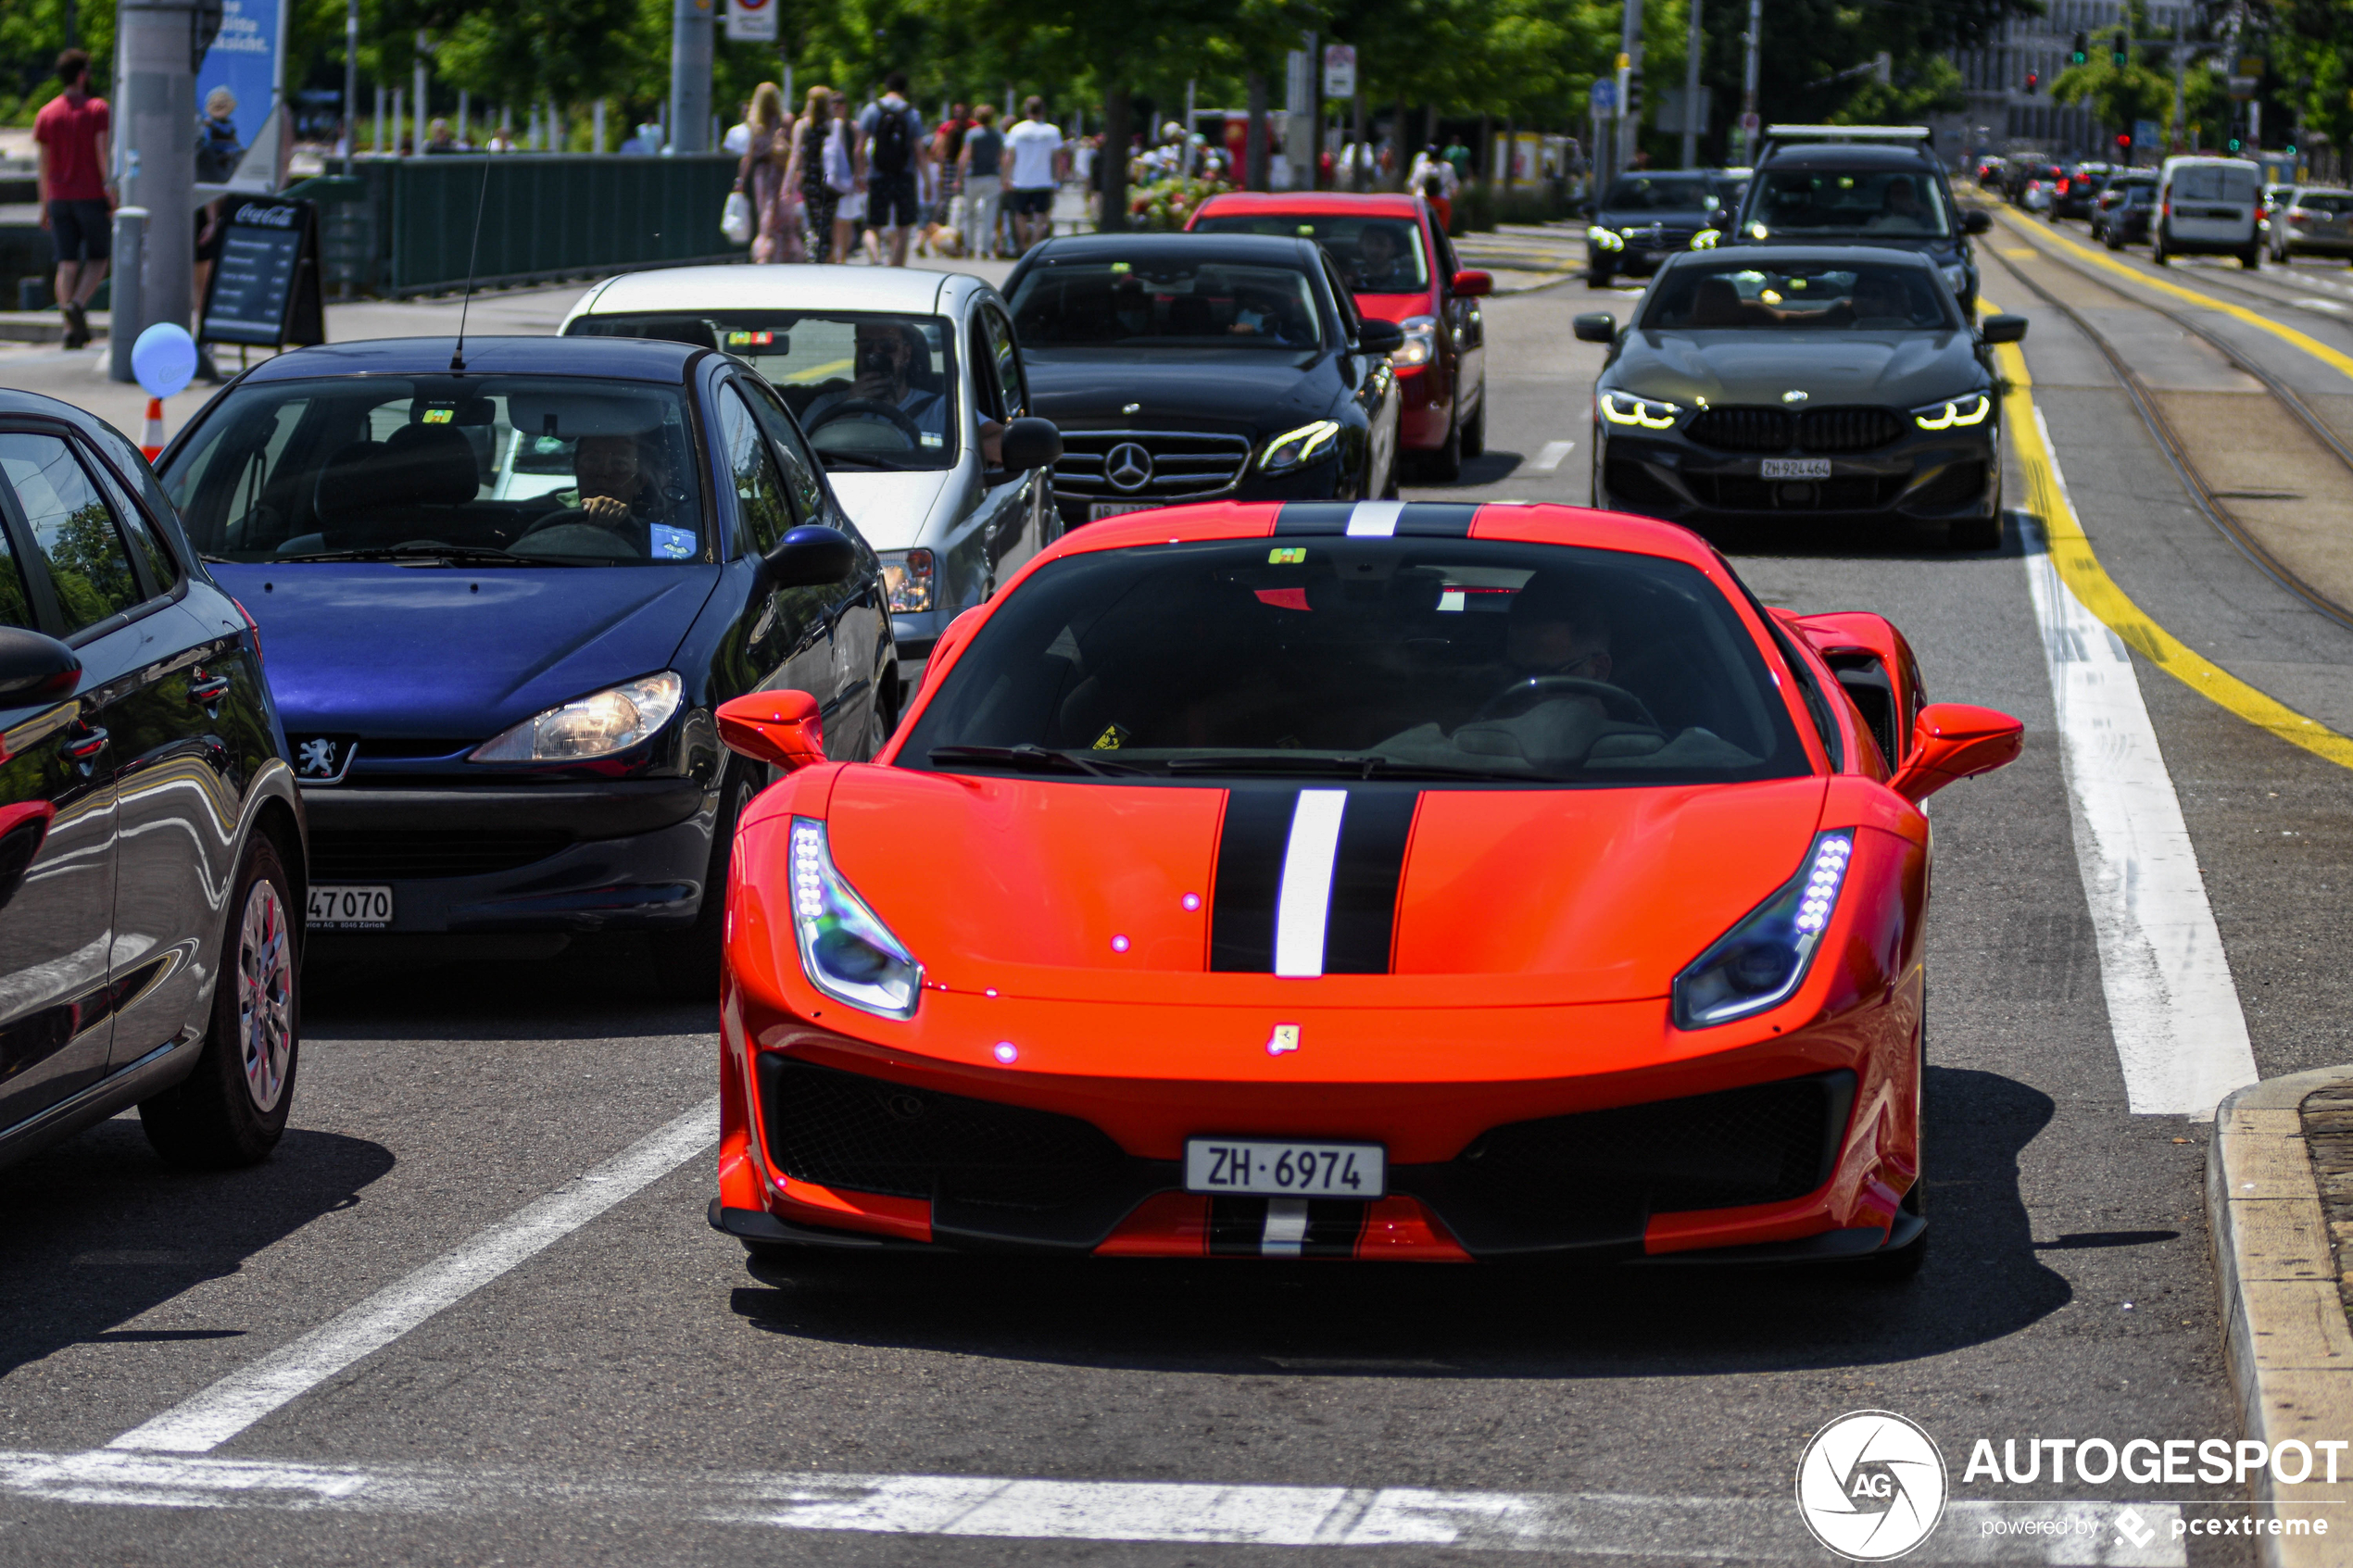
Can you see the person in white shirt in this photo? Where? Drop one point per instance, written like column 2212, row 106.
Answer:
column 1034, row 150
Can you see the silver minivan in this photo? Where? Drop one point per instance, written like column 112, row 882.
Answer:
column 2208, row 206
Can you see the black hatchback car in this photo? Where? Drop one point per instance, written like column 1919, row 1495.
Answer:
column 501, row 603
column 151, row 837
column 1877, row 186
column 1204, row 367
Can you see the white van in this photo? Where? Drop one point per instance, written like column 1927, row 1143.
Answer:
column 2208, row 206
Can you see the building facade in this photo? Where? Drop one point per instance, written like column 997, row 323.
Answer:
column 2008, row 82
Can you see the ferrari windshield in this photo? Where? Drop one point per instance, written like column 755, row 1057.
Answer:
column 874, row 390
column 1733, row 294
column 1805, row 204
column 1165, row 302
column 1438, row 658
column 541, row 469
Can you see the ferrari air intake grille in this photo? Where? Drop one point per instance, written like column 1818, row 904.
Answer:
column 1848, row 430
column 398, row 854
column 1148, row 465
column 1765, row 1144
column 841, row 1129
column 1742, row 430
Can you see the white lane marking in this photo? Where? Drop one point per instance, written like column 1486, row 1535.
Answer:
column 219, row 1412
column 1761, row 1529
column 1551, row 455
column 2333, row 307
column 1374, row 520
column 1303, row 906
column 1284, row 1233
column 2171, row 1005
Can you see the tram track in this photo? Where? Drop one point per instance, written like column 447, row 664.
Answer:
column 2152, row 414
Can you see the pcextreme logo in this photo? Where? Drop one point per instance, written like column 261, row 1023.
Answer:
column 1871, row 1485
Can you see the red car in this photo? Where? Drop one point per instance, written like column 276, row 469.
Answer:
column 1397, row 258
column 1367, row 880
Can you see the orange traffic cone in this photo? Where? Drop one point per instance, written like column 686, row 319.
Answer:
column 151, row 438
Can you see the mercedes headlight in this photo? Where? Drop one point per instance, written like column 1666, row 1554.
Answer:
column 1295, row 447
column 847, row 953
column 907, row 578
column 596, row 725
column 1707, row 239
column 1599, row 238
column 1969, row 408
column 1761, row 961
column 1421, row 343
column 1624, row 408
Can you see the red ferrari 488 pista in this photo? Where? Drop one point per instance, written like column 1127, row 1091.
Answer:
column 1402, row 881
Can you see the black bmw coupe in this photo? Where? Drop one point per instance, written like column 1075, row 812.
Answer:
column 1204, row 367
column 1801, row 383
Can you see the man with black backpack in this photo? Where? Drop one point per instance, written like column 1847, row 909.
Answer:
column 896, row 155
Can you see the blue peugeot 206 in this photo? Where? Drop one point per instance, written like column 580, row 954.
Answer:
column 503, row 585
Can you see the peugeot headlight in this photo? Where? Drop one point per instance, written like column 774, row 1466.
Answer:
column 1761, row 961
column 1969, row 408
column 596, row 725
column 1295, row 447
column 1624, row 408
column 845, row 952
column 907, row 579
column 1421, row 343
column 1599, row 238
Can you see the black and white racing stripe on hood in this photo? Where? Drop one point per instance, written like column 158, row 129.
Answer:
column 1308, row 878
column 1377, row 519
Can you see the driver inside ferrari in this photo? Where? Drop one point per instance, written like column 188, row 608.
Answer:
column 887, row 354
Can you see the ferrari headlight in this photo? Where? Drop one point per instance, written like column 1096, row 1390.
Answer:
column 907, row 579
column 1624, row 408
column 596, row 725
column 1421, row 343
column 1969, row 408
column 1294, row 448
column 1760, row 962
column 845, row 952
column 1599, row 238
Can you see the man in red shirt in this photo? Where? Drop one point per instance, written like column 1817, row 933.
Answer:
column 77, row 202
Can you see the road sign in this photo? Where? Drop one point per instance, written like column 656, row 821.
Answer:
column 751, row 22
column 1340, row 70
column 1750, row 124
column 1604, row 96
column 2244, row 86
column 2144, row 134
column 247, row 58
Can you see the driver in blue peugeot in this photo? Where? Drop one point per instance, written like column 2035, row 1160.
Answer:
column 887, row 352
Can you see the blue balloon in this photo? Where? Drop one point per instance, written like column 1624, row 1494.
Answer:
column 164, row 359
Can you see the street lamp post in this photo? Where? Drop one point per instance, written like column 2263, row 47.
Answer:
column 1690, row 92
column 690, row 50
column 1753, row 40
column 160, row 42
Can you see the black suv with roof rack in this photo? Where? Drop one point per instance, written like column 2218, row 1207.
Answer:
column 1860, row 186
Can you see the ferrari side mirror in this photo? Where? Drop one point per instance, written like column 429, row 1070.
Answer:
column 1952, row 740
column 782, row 728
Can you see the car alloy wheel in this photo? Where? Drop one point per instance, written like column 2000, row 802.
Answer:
column 265, row 996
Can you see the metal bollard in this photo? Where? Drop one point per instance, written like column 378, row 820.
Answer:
column 124, row 323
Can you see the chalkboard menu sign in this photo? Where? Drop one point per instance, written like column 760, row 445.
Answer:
column 265, row 287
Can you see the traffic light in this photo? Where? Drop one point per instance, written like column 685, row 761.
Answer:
column 2081, row 52
column 2034, row 79
column 2124, row 143
column 2235, row 144
column 2116, row 54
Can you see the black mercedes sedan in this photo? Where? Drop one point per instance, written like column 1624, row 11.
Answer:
column 1645, row 218
column 1204, row 367
column 503, row 588
column 1797, row 382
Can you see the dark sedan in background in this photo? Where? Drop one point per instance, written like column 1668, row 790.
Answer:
column 1643, row 218
column 1795, row 383
column 1204, row 367
column 501, row 603
column 1861, row 185
column 151, row 838
column 2120, row 212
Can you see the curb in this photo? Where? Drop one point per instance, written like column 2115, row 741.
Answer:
column 2288, row 1344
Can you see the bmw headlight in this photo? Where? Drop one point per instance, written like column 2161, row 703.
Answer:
column 1651, row 413
column 1295, row 447
column 1969, row 408
column 907, row 578
column 1599, row 238
column 1421, row 343
column 845, row 952
column 596, row 725
column 1761, row 961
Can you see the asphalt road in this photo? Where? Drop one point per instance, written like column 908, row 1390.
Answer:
column 630, row 1392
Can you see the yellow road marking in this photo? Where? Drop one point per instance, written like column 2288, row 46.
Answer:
column 2080, row 568
column 819, row 372
column 2313, row 346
